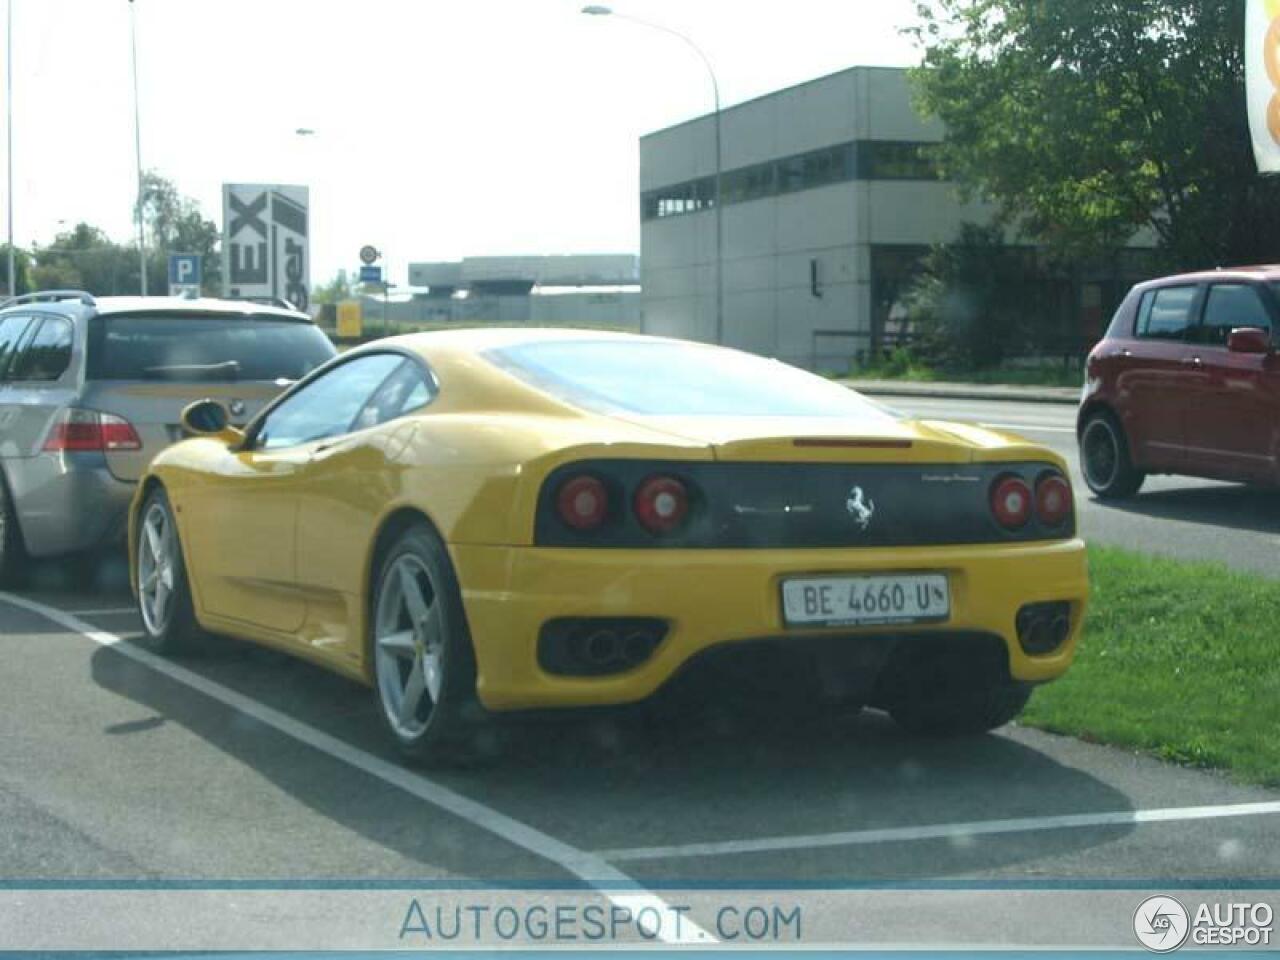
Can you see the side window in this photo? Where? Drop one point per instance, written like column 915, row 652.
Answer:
column 1165, row 314
column 406, row 390
column 1228, row 306
column 326, row 407
column 47, row 354
column 11, row 330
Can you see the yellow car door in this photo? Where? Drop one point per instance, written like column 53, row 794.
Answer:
column 345, row 487
column 245, row 526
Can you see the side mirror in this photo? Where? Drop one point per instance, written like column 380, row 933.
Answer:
column 210, row 418
column 1249, row 340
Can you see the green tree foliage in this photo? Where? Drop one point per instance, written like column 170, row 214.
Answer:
column 175, row 224
column 22, row 267
column 336, row 290
column 968, row 308
column 86, row 258
column 1086, row 120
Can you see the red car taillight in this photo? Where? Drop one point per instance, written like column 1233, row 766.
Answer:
column 1053, row 499
column 661, row 504
column 1011, row 502
column 87, row 431
column 583, row 502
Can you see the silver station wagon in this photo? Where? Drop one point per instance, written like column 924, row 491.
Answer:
column 92, row 389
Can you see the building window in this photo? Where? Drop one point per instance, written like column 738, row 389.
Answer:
column 861, row 160
column 892, row 160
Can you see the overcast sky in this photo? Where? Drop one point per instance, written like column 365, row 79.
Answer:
column 443, row 128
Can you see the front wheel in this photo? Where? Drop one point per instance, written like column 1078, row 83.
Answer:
column 164, row 593
column 1104, row 458
column 423, row 666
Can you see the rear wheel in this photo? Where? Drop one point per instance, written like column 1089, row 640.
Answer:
column 423, row 666
column 13, row 559
column 164, row 593
column 1104, row 458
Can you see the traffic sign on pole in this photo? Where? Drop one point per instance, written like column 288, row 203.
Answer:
column 369, row 253
column 370, row 274
column 184, row 274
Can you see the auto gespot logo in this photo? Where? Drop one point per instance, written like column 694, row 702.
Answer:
column 1162, row 924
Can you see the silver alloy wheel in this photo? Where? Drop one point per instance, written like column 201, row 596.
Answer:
column 157, row 553
column 1100, row 454
column 408, row 642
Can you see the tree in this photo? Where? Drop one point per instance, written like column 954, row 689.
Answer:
column 968, row 306
column 85, row 258
column 22, row 267
column 1087, row 120
column 336, row 290
column 175, row 224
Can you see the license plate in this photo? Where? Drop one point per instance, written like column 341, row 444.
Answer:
column 861, row 601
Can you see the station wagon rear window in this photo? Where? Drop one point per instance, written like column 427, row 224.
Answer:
column 661, row 378
column 203, row 348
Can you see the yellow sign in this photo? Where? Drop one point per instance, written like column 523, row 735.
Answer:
column 1262, row 81
column 350, row 318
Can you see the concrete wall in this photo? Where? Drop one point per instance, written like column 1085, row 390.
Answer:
column 769, row 243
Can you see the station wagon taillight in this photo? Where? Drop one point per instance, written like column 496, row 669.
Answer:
column 88, row 431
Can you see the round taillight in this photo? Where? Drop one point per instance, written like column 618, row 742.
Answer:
column 661, row 504
column 1053, row 499
column 1011, row 502
column 583, row 502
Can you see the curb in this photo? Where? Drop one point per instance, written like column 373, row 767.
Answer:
column 965, row 391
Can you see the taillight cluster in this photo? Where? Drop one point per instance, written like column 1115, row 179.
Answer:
column 660, row 503
column 88, row 431
column 1013, row 501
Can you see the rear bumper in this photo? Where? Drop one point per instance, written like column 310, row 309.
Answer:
column 711, row 598
column 67, row 503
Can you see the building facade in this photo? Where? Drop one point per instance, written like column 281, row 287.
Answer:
column 582, row 290
column 830, row 201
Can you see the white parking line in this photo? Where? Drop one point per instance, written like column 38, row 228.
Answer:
column 103, row 611
column 944, row 831
column 596, row 872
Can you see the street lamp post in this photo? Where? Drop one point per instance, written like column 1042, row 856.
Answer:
column 595, row 10
column 8, row 137
column 137, row 146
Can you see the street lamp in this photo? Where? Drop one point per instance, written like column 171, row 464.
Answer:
column 596, row 10
column 137, row 146
column 8, row 122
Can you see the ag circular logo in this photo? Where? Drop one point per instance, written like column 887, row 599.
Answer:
column 1161, row 924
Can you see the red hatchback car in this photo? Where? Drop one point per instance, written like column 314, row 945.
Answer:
column 1185, row 381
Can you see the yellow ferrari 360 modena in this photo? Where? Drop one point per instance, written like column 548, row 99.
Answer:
column 480, row 521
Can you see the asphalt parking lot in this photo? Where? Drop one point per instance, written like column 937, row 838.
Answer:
column 239, row 763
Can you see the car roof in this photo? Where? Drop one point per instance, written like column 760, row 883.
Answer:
column 1258, row 272
column 205, row 306
column 75, row 304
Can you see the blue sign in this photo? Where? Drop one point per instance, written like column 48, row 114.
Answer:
column 184, row 269
column 371, row 274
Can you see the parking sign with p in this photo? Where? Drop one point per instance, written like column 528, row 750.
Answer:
column 184, row 274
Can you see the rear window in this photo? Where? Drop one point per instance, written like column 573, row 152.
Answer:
column 656, row 378
column 160, row 347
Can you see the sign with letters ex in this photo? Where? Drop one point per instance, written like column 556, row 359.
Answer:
column 265, row 248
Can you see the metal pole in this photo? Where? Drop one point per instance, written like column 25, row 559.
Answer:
column 137, row 145
column 596, row 10
column 8, row 119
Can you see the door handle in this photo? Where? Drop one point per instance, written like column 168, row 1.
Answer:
column 1193, row 361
